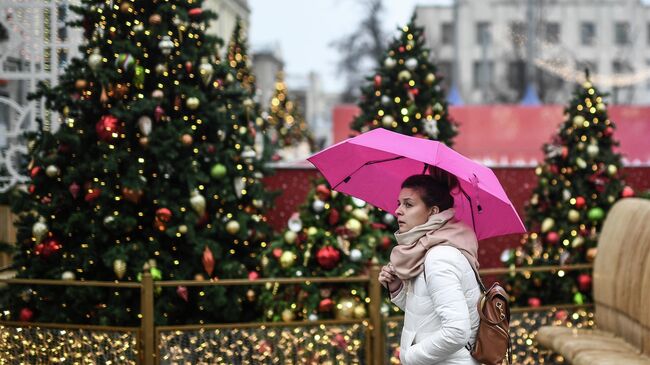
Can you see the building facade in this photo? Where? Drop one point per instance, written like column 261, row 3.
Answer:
column 227, row 11
column 502, row 46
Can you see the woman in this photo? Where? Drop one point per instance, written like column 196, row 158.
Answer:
column 431, row 281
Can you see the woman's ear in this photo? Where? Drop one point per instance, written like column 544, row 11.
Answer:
column 435, row 210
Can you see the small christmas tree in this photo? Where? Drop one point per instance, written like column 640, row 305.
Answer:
column 405, row 94
column 579, row 181
column 331, row 236
column 152, row 168
column 287, row 126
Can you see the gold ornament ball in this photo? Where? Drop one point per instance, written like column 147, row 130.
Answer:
column 360, row 215
column 199, row 277
column 182, row 229
column 591, row 254
column 547, row 224
column 354, row 225
column 311, row 231
column 587, row 85
column 144, row 141
column 345, row 308
column 574, row 215
column 119, row 268
column 290, row 237
column 287, row 259
column 125, row 7
column 187, row 139
column 612, row 170
column 80, row 84
column 155, row 19
column 404, row 75
column 430, row 78
column 360, row 311
column 578, row 121
column 192, row 103
column 600, row 107
column 387, row 121
column 232, row 227
column 287, row 315
column 250, row 295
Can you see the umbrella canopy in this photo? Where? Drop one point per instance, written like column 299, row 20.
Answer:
column 373, row 165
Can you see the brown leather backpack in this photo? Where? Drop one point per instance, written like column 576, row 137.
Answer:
column 493, row 338
column 493, row 345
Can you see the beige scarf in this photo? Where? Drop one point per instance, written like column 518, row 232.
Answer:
column 407, row 258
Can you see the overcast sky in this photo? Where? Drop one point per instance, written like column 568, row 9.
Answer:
column 304, row 29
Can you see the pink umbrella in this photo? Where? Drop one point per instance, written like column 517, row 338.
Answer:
column 373, row 165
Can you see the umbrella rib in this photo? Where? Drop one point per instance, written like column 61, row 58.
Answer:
column 347, row 178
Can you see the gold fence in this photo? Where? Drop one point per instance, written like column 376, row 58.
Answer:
column 148, row 335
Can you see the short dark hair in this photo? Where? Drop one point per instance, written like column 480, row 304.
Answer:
column 433, row 190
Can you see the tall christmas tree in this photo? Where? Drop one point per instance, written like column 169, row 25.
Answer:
column 238, row 59
column 331, row 236
column 578, row 182
column 286, row 124
column 152, row 168
column 406, row 95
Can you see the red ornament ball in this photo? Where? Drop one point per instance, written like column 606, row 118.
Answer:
column 47, row 248
column 253, row 275
column 323, row 192
column 26, row 315
column 163, row 214
column 534, row 302
column 627, row 192
column 552, row 237
column 377, row 80
column 328, row 257
column 584, row 282
column 196, row 12
column 325, row 305
column 580, row 202
column 107, row 127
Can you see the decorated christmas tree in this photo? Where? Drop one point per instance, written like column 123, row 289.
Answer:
column 578, row 182
column 331, row 236
column 238, row 59
column 286, row 125
column 153, row 167
column 405, row 95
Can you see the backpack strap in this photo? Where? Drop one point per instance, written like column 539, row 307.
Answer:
column 468, row 256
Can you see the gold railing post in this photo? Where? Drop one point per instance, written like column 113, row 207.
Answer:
column 376, row 324
column 147, row 333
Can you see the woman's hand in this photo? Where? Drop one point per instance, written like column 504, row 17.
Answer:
column 388, row 279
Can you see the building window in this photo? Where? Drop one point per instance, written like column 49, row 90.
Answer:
column 583, row 65
column 447, row 33
column 517, row 33
column 648, row 33
column 516, row 75
column 621, row 67
column 483, row 73
column 552, row 32
column 647, row 66
column 483, row 33
column 587, row 33
column 445, row 68
column 622, row 33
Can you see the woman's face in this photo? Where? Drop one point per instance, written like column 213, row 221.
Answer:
column 411, row 210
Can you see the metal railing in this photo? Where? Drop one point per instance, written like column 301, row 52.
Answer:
column 148, row 334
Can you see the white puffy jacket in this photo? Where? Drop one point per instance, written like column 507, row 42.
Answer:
column 440, row 315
